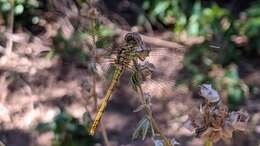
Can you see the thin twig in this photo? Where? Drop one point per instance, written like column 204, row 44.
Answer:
column 147, row 39
column 93, row 34
column 149, row 112
column 94, row 77
column 104, row 134
column 9, row 45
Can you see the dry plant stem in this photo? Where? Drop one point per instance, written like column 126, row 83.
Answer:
column 157, row 42
column 104, row 134
column 147, row 39
column 149, row 112
column 9, row 45
column 153, row 122
column 94, row 94
column 93, row 34
column 209, row 142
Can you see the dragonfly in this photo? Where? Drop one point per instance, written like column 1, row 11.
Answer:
column 130, row 53
column 136, row 57
column 135, row 54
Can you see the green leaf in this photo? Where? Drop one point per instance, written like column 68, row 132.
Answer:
column 3, row 1
column 87, row 121
column 35, row 20
column 136, row 80
column 18, row 9
column 254, row 11
column 146, row 5
column 161, row 7
column 19, row 1
column 142, row 128
column 219, row 12
column 105, row 31
column 145, row 129
column 45, row 127
column 6, row 7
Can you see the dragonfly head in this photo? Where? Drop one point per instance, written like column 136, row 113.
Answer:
column 135, row 39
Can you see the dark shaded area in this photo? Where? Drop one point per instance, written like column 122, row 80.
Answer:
column 60, row 102
column 13, row 137
column 126, row 12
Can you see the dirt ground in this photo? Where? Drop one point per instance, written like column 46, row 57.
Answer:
column 32, row 88
column 30, row 99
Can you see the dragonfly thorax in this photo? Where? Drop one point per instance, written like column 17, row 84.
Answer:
column 141, row 51
column 133, row 49
column 125, row 55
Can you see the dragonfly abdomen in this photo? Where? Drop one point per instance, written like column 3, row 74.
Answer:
column 103, row 106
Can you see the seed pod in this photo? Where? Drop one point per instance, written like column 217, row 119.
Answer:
column 146, row 70
column 143, row 52
column 210, row 94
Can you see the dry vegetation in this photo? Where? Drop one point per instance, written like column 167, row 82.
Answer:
column 50, row 64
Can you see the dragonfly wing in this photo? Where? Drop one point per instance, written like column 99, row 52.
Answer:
column 105, row 53
column 106, row 69
column 167, row 64
column 158, row 88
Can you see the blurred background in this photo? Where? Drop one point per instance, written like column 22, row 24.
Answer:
column 46, row 67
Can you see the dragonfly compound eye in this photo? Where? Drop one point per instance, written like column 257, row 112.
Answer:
column 133, row 37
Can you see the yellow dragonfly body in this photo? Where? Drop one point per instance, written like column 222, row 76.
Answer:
column 132, row 50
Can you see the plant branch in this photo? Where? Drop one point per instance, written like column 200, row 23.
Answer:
column 147, row 39
column 94, row 77
column 104, row 134
column 93, row 35
column 148, row 112
column 9, row 45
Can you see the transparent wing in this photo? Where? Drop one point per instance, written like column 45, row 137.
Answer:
column 105, row 70
column 167, row 64
column 168, row 67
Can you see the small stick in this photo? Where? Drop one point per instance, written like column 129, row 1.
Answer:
column 162, row 43
column 104, row 134
column 93, row 35
column 149, row 112
column 94, row 79
column 153, row 122
column 9, row 44
column 147, row 39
